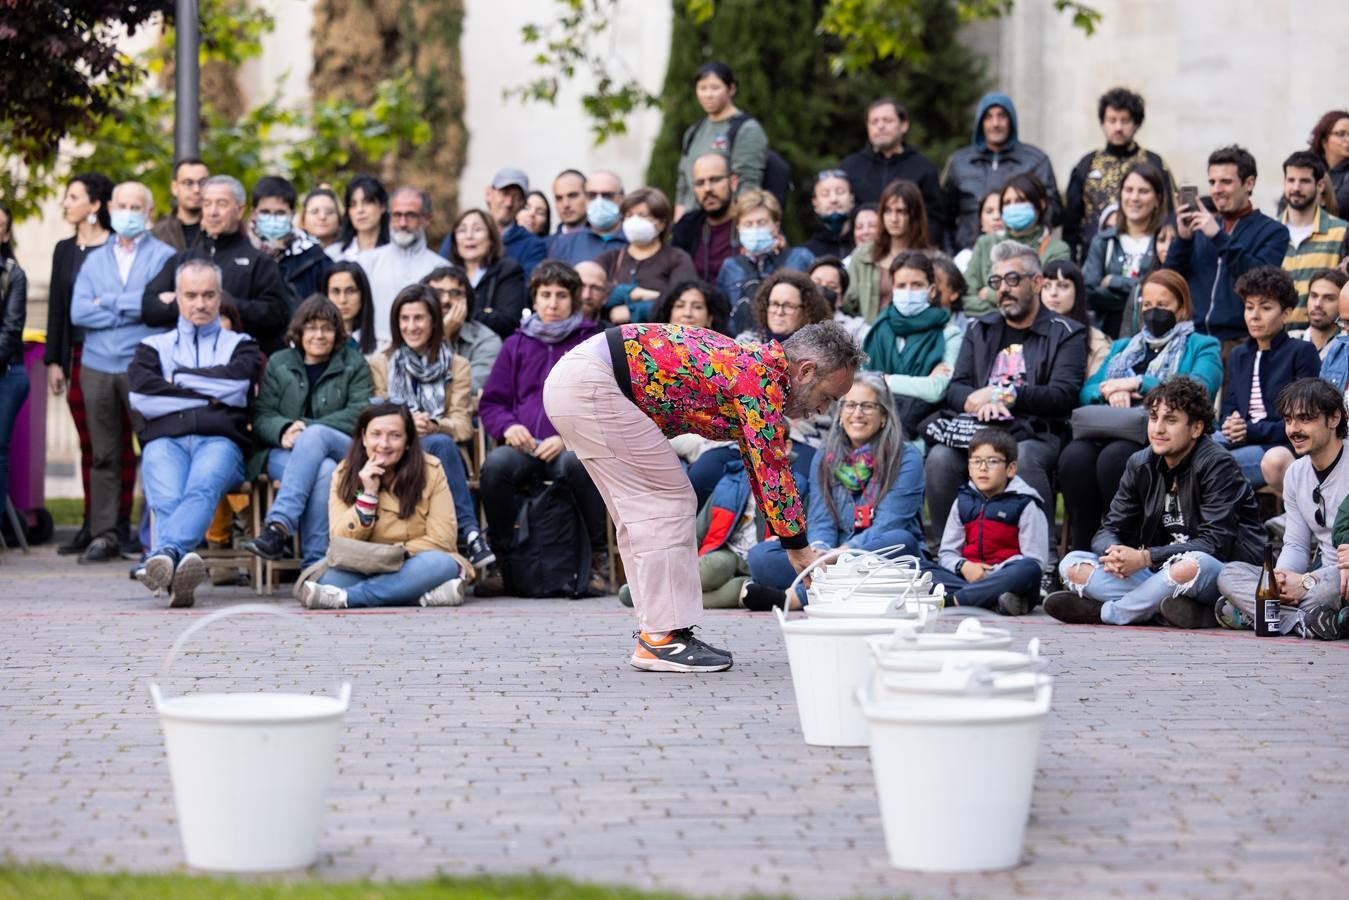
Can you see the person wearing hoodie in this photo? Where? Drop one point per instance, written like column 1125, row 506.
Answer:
column 994, row 154
column 402, row 261
column 301, row 258
column 250, row 277
column 885, row 159
column 1212, row 252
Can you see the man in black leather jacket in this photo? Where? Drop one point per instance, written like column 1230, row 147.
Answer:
column 1182, row 509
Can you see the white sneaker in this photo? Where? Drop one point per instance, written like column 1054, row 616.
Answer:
column 323, row 596
column 451, row 593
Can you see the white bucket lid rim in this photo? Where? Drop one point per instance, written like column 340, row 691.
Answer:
column 254, row 708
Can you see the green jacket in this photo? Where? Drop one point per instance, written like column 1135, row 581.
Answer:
column 343, row 391
column 1339, row 532
column 981, row 265
column 863, row 297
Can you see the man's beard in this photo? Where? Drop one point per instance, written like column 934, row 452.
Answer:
column 716, row 212
column 1304, row 205
column 799, row 398
column 1022, row 307
column 404, row 238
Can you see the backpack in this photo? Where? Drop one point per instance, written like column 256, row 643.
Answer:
column 777, row 175
column 551, row 552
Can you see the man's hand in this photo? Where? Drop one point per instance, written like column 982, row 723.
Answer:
column 518, row 436
column 1122, row 561
column 454, row 317
column 804, row 557
column 289, row 436
column 1201, row 220
column 549, row 449
column 993, row 411
column 1291, row 590
column 978, row 398
column 56, row 379
column 1342, row 556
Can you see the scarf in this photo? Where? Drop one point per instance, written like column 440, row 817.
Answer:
column 854, row 472
column 551, row 332
column 924, row 344
column 418, row 383
column 1169, row 348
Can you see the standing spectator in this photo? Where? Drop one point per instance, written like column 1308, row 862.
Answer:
column 1098, row 178
column 1020, row 369
column 1259, row 368
column 312, row 393
column 707, row 233
column 994, row 154
column 903, row 227
column 594, row 289
column 387, row 491
column 832, row 202
column 1316, row 239
column 1323, row 311
column 646, row 266
column 320, row 217
column 14, row 384
column 1330, row 141
column 192, row 387
column 535, row 216
column 251, row 278
column 505, row 198
column 467, row 337
column 347, row 287
column 300, row 257
column 1065, row 293
column 715, row 85
column 1118, row 258
column 365, row 224
column 603, row 226
column 181, row 230
column 404, row 259
column 498, row 281
column 107, row 306
column 1025, row 213
column 569, row 199
column 1213, row 252
column 885, row 159
column 762, row 250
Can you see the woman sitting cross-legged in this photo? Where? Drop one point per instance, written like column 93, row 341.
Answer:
column 866, row 492
column 387, row 491
column 420, row 371
column 306, row 409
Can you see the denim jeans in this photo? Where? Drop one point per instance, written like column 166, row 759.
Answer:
column 769, row 565
column 1020, row 576
column 13, row 392
column 1138, row 597
column 707, row 469
column 185, row 477
column 443, row 448
column 306, row 475
column 419, row 574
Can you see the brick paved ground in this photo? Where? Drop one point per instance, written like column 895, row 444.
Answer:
column 509, row 735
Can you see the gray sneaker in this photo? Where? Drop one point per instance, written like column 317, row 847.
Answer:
column 190, row 572
column 322, row 596
column 1230, row 616
column 451, row 593
column 1320, row 622
column 156, row 573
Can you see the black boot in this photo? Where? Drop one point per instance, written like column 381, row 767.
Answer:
column 79, row 543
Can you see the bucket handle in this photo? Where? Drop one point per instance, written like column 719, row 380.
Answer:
column 343, row 687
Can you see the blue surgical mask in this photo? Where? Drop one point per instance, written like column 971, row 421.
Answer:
column 602, row 213
column 272, row 226
column 834, row 222
column 128, row 223
column 1018, row 216
column 757, row 240
column 911, row 302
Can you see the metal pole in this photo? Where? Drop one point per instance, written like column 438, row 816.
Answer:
column 187, row 82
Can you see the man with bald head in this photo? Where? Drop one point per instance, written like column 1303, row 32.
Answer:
column 603, row 231
column 402, row 261
column 107, row 305
column 707, row 232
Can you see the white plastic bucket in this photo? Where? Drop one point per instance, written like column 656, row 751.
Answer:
column 975, row 819
column 250, row 771
column 970, row 634
column 829, row 662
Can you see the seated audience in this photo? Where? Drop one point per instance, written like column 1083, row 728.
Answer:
column 1026, row 207
column 347, row 288
column 365, row 220
column 1180, row 510
column 1064, row 293
column 505, row 197
column 990, row 222
column 536, row 216
column 830, row 276
column 695, row 305
column 707, row 232
column 387, row 491
column 1335, row 367
column 604, row 222
column 995, row 544
column 303, row 418
column 1323, row 311
column 1118, row 258
column 422, row 372
column 832, row 202
column 498, row 282
column 903, row 221
column 646, row 266
column 1257, row 370
column 320, row 217
column 468, row 338
column 1307, row 574
column 300, row 257
column 761, row 250
column 191, row 387
column 784, row 302
column 594, row 288
column 404, row 259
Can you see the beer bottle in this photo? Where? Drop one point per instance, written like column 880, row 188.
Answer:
column 1267, row 599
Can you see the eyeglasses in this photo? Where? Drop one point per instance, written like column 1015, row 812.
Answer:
column 710, row 180
column 451, row 293
column 826, row 174
column 191, row 183
column 984, row 463
column 784, row 307
column 404, row 216
column 319, row 328
column 866, row 407
column 1012, row 279
column 1320, row 507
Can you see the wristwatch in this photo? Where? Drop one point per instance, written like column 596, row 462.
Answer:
column 1308, row 581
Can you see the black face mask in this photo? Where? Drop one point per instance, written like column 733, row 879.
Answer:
column 829, row 294
column 1159, row 322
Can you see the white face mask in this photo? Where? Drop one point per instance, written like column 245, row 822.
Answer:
column 638, row 230
column 911, row 302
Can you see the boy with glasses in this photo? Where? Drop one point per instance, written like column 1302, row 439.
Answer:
column 996, row 540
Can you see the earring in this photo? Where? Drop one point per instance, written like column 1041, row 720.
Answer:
column 92, row 218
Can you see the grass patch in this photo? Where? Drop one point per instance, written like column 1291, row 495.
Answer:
column 51, row 883
column 66, row 510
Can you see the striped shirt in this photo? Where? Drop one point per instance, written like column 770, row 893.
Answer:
column 1327, row 244
column 1257, row 396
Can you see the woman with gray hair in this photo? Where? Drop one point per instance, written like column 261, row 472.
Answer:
column 866, row 493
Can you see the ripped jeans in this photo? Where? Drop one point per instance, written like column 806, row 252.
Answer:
column 1138, row 597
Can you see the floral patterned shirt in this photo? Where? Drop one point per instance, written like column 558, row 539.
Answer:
column 693, row 380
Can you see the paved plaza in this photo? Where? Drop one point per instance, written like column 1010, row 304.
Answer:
column 510, row 735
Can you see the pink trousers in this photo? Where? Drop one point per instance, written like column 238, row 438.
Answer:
column 642, row 481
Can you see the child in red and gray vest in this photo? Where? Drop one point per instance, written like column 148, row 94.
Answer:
column 996, row 540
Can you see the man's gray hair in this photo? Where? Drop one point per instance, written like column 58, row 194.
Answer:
column 827, row 344
column 421, row 195
column 198, row 264
column 1004, row 251
column 240, row 197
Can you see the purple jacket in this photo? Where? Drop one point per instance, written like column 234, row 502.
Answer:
column 513, row 394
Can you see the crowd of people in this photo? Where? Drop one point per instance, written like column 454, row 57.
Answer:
column 1166, row 359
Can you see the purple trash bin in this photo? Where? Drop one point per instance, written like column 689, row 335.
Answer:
column 28, row 446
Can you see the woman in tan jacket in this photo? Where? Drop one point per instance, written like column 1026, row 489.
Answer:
column 387, row 491
column 422, row 373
